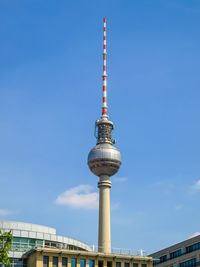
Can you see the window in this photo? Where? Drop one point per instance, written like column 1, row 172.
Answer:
column 55, row 261
column 126, row 264
column 109, row 263
column 175, row 254
column 193, row 247
column 91, row 263
column 73, row 262
column 100, row 263
column 53, row 244
column 118, row 264
column 135, row 264
column 144, row 265
column 64, row 262
column 163, row 258
column 16, row 263
column 22, row 244
column 38, row 242
column 82, row 262
column 47, row 244
column 45, row 261
column 188, row 263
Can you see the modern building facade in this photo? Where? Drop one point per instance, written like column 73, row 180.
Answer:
column 48, row 257
column 183, row 254
column 27, row 236
column 39, row 246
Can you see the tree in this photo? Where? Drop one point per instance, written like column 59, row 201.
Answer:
column 5, row 246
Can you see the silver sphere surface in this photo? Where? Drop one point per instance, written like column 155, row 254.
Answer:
column 104, row 159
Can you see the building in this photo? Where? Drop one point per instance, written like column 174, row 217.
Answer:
column 183, row 254
column 27, row 236
column 48, row 257
column 39, row 246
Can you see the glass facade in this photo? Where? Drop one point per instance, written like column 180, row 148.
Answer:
column 16, row 263
column 163, row 258
column 22, row 244
column 193, row 247
column 25, row 244
column 188, row 263
column 175, row 254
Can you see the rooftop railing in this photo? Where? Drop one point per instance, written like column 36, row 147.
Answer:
column 122, row 251
column 24, row 247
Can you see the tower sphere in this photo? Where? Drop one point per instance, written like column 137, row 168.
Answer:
column 104, row 159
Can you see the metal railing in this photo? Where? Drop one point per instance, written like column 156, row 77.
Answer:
column 24, row 247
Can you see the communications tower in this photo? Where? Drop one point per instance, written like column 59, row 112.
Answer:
column 104, row 160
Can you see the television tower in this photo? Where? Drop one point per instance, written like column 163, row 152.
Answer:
column 104, row 160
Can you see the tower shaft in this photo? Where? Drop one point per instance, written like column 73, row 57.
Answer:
column 104, row 234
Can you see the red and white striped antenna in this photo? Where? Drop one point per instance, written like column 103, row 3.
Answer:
column 104, row 77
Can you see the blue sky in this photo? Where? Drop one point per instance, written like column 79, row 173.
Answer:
column 50, row 97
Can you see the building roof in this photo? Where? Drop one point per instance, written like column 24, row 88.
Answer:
column 35, row 231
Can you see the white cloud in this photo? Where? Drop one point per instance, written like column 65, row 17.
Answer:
column 120, row 179
column 194, row 234
column 4, row 212
column 196, row 186
column 79, row 197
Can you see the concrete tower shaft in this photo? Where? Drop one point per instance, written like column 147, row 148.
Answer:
column 104, row 160
column 104, row 234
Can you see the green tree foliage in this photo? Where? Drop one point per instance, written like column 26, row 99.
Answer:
column 5, row 246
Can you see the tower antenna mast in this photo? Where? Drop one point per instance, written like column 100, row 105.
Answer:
column 104, row 77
